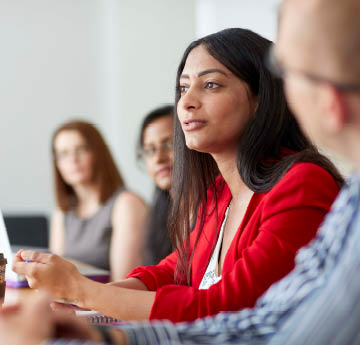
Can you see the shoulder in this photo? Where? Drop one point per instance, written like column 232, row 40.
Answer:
column 306, row 174
column 57, row 214
column 129, row 211
column 127, row 201
column 57, row 221
column 306, row 168
column 303, row 185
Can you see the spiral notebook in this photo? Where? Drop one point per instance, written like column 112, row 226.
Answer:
column 94, row 317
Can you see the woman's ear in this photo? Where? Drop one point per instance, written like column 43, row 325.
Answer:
column 255, row 103
column 335, row 109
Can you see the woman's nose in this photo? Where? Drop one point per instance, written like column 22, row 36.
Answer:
column 190, row 100
column 161, row 154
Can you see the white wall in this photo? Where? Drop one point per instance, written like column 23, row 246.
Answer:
column 108, row 61
column 49, row 71
column 152, row 36
column 257, row 15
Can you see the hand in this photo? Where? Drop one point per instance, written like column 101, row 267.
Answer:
column 68, row 326
column 27, row 323
column 49, row 272
column 63, row 307
column 71, row 327
column 33, row 322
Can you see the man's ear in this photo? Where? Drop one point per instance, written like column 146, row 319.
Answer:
column 334, row 112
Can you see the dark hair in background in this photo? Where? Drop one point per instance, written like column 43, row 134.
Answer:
column 157, row 113
column 259, row 158
column 105, row 173
column 158, row 244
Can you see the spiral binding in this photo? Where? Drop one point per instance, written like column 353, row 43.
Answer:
column 101, row 319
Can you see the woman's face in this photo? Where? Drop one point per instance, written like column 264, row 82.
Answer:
column 215, row 105
column 158, row 149
column 73, row 158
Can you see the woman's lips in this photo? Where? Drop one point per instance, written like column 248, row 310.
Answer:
column 193, row 125
column 163, row 171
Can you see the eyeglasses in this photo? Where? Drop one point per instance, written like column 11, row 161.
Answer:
column 279, row 70
column 150, row 151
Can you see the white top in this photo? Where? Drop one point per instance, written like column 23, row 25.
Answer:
column 211, row 275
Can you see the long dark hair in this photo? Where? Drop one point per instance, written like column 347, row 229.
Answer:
column 158, row 244
column 260, row 160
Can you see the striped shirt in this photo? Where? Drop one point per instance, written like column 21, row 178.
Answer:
column 321, row 288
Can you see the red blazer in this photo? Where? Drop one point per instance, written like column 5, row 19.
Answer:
column 276, row 224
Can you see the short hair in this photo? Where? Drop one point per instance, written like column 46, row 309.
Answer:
column 157, row 113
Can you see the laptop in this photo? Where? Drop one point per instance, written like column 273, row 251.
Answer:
column 27, row 229
column 15, row 280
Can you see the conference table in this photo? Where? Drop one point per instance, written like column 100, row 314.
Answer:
column 15, row 295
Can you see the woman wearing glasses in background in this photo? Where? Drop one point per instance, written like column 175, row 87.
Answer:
column 155, row 151
column 259, row 189
column 97, row 221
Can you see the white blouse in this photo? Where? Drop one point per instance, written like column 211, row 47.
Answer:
column 211, row 275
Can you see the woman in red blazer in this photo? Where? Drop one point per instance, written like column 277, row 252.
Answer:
column 254, row 186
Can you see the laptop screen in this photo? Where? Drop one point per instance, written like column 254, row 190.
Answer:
column 27, row 230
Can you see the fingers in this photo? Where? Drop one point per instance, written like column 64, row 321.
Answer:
column 35, row 272
column 67, row 325
column 24, row 268
column 38, row 304
column 47, row 271
column 33, row 256
column 75, row 328
column 9, row 309
column 62, row 307
column 25, row 261
column 20, row 267
column 18, row 254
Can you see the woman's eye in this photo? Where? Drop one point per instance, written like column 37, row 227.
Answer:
column 212, row 85
column 183, row 88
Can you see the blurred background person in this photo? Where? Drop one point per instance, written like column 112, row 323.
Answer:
column 97, row 221
column 155, row 151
